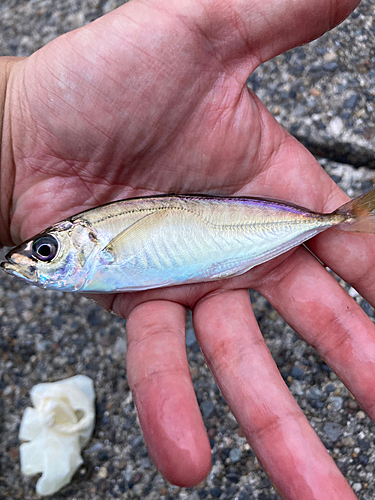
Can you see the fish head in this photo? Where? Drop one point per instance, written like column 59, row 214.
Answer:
column 56, row 258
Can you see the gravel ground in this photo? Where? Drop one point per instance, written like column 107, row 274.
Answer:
column 324, row 93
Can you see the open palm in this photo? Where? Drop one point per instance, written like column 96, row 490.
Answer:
column 152, row 99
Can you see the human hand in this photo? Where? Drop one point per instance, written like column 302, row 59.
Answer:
column 151, row 98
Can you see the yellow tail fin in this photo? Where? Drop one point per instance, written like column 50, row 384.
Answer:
column 359, row 213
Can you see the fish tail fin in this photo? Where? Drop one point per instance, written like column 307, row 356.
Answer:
column 360, row 218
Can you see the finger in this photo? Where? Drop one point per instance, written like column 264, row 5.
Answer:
column 263, row 28
column 278, row 26
column 276, row 428
column 159, row 377
column 316, row 306
column 351, row 256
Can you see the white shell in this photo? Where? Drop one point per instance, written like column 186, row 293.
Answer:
column 56, row 430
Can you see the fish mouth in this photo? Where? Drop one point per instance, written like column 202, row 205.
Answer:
column 21, row 267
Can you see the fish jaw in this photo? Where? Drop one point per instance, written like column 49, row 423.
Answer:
column 19, row 264
column 19, row 272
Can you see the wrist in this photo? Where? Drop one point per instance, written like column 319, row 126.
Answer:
column 7, row 167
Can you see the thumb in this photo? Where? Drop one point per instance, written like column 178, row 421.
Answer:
column 261, row 28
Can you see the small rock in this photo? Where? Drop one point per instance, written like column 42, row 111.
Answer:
column 331, row 66
column 7, row 390
column 329, row 57
column 194, row 496
column 233, row 477
column 357, row 487
column 296, row 388
column 336, row 126
column 137, row 477
column 245, row 496
column 212, row 432
column 337, row 402
column 241, row 433
column 120, row 347
column 94, row 448
column 297, row 372
column 364, row 445
column 265, row 483
column 333, row 431
column 235, row 455
column 363, row 459
column 190, row 337
column 252, row 465
column 103, row 472
column 348, row 441
column 14, row 452
column 353, row 405
column 146, row 463
column 314, row 394
column 329, row 388
column 351, row 102
column 207, row 408
column 353, row 292
column 315, row 92
column 128, row 472
column 216, row 492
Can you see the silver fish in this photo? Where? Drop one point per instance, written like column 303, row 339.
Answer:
column 159, row 241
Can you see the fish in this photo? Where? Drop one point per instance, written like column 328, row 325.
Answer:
column 159, row 241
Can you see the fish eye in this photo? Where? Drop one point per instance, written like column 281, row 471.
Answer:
column 45, row 248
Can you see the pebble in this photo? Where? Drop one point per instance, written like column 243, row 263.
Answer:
column 241, row 433
column 103, row 472
column 353, row 405
column 297, row 372
column 190, row 337
column 146, row 462
column 216, row 492
column 296, row 388
column 235, row 455
column 336, row 126
column 331, row 66
column 329, row 57
column 337, row 402
column 363, row 459
column 120, row 347
column 245, row 496
column 128, row 472
column 357, row 487
column 333, row 431
column 194, row 496
column 207, row 408
column 351, row 102
column 314, row 394
column 364, row 445
column 233, row 477
column 315, row 92
column 348, row 441
column 212, row 432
